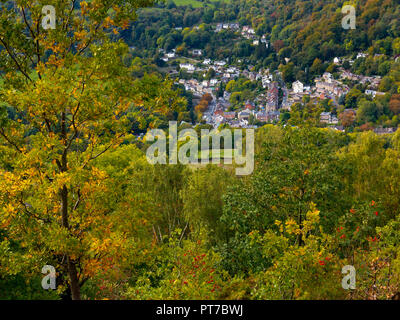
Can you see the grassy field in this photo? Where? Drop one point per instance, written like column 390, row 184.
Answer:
column 194, row 3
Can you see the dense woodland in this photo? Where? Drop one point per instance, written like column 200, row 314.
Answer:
column 309, row 33
column 77, row 192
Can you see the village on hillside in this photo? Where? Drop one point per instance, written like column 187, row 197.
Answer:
column 273, row 100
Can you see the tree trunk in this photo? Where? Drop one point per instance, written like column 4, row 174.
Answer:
column 73, row 276
column 72, row 272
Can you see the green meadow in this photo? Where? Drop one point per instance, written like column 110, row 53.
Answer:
column 194, row 3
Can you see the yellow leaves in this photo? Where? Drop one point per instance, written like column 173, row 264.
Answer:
column 91, row 267
column 80, row 35
column 108, row 22
column 57, row 48
column 292, row 227
column 99, row 174
column 310, row 222
column 54, row 61
column 312, row 219
column 280, row 225
column 84, row 7
column 9, row 209
column 95, row 245
column 313, row 216
column 6, row 215
column 11, row 184
column 60, row 180
column 301, row 251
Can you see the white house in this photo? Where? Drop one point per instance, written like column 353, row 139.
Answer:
column 374, row 93
column 197, row 52
column 220, row 63
column 298, row 87
column 266, row 80
column 370, row 92
column 361, row 55
column 189, row 67
column 327, row 76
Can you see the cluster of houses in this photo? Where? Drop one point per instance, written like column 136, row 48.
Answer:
column 372, row 81
column 229, row 72
column 220, row 67
column 328, row 118
column 227, row 26
column 199, row 88
column 242, row 118
column 168, row 55
column 256, row 40
column 172, row 54
column 272, row 97
column 268, row 116
column 249, row 34
column 225, row 73
column 325, row 87
column 246, row 31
